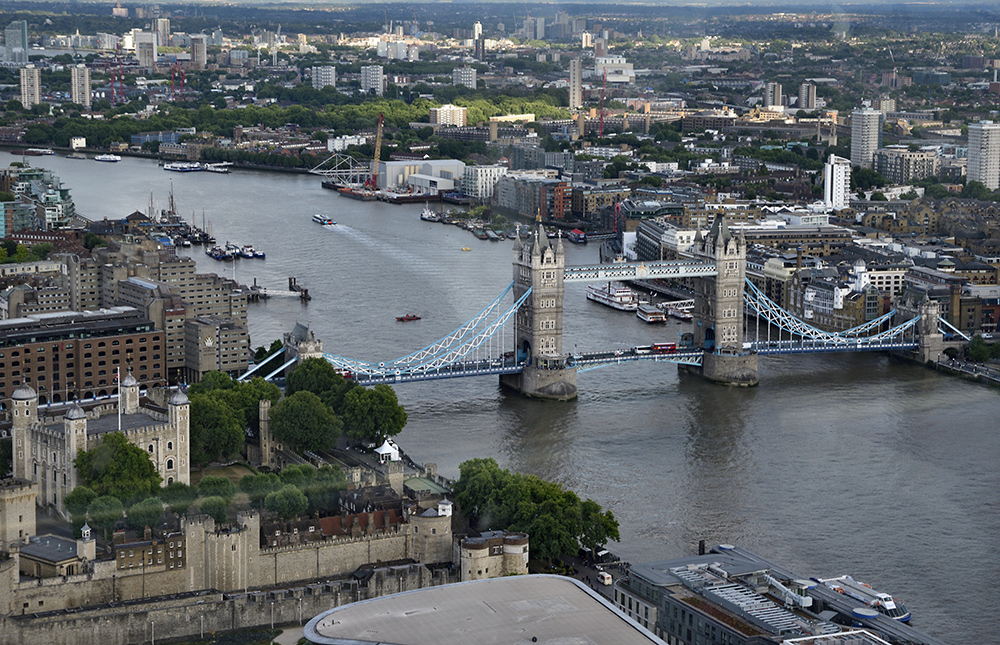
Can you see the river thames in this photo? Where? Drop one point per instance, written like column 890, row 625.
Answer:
column 834, row 464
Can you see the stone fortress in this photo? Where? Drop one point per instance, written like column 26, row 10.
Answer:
column 394, row 533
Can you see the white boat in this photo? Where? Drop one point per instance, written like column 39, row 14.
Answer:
column 108, row 158
column 651, row 314
column 428, row 215
column 183, row 166
column 680, row 314
column 222, row 167
column 323, row 219
column 614, row 295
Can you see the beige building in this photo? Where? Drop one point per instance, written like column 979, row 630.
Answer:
column 79, row 85
column 17, row 510
column 448, row 115
column 199, row 51
column 31, row 86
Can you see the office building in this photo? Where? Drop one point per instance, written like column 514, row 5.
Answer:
column 837, row 182
column 324, row 76
column 772, row 95
column 199, row 51
column 372, row 80
column 146, row 48
column 448, row 115
column 31, row 86
column 464, row 76
column 807, row 96
column 16, row 42
column 162, row 28
column 79, row 85
column 866, row 136
column 617, row 69
column 575, row 83
column 539, row 28
column 984, row 153
column 478, row 182
column 477, row 30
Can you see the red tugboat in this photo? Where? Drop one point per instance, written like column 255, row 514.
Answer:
column 408, row 318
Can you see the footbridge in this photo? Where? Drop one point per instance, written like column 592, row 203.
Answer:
column 518, row 336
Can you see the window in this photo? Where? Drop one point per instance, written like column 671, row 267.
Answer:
column 170, row 445
column 170, row 464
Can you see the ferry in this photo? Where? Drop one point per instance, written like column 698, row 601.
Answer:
column 221, row 168
column 408, row 318
column 883, row 603
column 324, row 220
column 651, row 314
column 614, row 295
column 40, row 151
column 577, row 236
column 108, row 158
column 183, row 166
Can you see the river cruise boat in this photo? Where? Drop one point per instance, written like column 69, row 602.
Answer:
column 108, row 158
column 651, row 314
column 614, row 295
column 324, row 220
column 183, row 166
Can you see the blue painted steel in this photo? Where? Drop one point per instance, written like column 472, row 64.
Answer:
column 260, row 364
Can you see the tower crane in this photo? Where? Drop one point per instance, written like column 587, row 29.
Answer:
column 373, row 181
column 604, row 86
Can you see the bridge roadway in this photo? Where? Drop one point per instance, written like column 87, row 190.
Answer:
column 640, row 271
column 825, row 346
column 886, row 627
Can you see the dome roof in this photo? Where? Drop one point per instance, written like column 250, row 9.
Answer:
column 129, row 381
column 179, row 398
column 23, row 393
column 76, row 412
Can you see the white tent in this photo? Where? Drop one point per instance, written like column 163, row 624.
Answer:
column 388, row 451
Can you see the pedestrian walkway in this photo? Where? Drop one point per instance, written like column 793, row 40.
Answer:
column 289, row 636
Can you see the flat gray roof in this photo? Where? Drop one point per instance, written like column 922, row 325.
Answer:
column 514, row 609
column 50, row 548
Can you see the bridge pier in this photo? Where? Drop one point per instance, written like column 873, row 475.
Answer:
column 718, row 310
column 538, row 265
column 931, row 340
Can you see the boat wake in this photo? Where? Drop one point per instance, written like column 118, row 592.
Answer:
column 392, row 251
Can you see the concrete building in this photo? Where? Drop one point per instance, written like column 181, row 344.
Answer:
column 477, row 30
column 772, row 95
column 79, row 85
column 162, row 28
column 448, row 114
column 984, row 153
column 427, row 176
column 618, row 70
column 146, row 48
column 199, row 51
column 324, row 76
column 372, row 80
column 900, row 165
column 586, row 40
column 464, row 76
column 575, row 83
column 214, row 343
column 16, row 42
column 44, row 448
column 807, row 96
column 479, row 182
column 837, row 183
column 866, row 136
column 540, row 28
column 31, row 86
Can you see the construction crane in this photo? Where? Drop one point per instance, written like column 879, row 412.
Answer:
column 604, row 86
column 373, row 181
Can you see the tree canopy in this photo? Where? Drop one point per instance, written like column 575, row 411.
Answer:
column 118, row 468
column 304, row 422
column 556, row 519
column 373, row 414
column 221, row 411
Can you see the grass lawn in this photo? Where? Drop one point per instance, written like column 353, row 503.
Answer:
column 233, row 473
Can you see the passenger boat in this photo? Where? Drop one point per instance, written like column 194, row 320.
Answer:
column 408, row 318
column 680, row 314
column 74, row 155
column 614, row 295
column 428, row 215
column 577, row 236
column 883, row 603
column 108, row 158
column 221, row 168
column 40, row 151
column 651, row 314
column 323, row 219
column 183, row 166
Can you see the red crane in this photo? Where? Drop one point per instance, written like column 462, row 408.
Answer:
column 373, row 181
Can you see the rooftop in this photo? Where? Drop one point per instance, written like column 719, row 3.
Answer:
column 516, row 609
column 50, row 548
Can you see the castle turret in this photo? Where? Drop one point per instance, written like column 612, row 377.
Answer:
column 129, row 393
column 75, row 424
column 24, row 402
column 179, row 410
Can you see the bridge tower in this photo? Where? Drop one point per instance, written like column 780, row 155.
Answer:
column 718, row 309
column 539, row 264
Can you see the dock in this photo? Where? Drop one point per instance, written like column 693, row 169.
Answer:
column 257, row 293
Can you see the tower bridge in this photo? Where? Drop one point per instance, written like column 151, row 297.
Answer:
column 522, row 342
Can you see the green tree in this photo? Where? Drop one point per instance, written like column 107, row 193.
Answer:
column 215, row 507
column 288, row 502
column 373, row 414
column 212, row 486
column 216, row 430
column 323, row 491
column 148, row 512
column 78, row 500
column 104, row 512
column 304, row 422
column 314, row 375
column 118, row 468
column 257, row 487
column 179, row 497
column 879, row 196
column 979, row 350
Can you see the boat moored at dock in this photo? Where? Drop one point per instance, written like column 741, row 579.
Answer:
column 651, row 314
column 614, row 295
column 183, row 166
